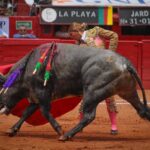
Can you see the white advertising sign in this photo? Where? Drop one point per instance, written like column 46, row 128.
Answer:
column 4, row 24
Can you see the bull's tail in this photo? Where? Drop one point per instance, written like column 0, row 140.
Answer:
column 133, row 72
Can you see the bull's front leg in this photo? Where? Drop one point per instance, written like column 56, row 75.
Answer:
column 43, row 95
column 26, row 114
column 45, row 111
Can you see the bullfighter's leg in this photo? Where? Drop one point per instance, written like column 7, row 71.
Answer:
column 45, row 111
column 133, row 98
column 26, row 114
column 112, row 111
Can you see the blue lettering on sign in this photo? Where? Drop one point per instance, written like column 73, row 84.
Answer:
column 128, row 1
column 82, row 1
column 121, row 1
column 141, row 1
column 113, row 1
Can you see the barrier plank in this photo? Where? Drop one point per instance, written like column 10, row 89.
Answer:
column 146, row 63
column 11, row 50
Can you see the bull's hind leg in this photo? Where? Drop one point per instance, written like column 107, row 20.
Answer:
column 91, row 99
column 89, row 112
column 133, row 98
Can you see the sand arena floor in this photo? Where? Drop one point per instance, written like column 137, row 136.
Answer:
column 134, row 132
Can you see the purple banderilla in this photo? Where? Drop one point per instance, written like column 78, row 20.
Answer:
column 11, row 79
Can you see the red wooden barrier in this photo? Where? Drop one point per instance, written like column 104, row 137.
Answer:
column 12, row 50
column 146, row 63
column 132, row 50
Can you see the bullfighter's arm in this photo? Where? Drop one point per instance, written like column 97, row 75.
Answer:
column 112, row 36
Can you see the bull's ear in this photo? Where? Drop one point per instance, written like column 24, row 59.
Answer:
column 2, row 79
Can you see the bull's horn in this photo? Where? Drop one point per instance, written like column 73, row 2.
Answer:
column 3, row 110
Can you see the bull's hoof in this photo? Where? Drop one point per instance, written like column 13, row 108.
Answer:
column 63, row 138
column 11, row 132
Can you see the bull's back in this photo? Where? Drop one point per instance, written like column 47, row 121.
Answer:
column 74, row 58
column 71, row 59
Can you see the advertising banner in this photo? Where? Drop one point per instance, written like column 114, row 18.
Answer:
column 67, row 15
column 101, row 2
column 134, row 16
column 26, row 23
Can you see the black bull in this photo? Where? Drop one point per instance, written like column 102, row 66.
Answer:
column 98, row 74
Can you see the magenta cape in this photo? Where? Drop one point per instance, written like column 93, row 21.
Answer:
column 58, row 107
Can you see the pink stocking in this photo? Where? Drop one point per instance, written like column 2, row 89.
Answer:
column 112, row 116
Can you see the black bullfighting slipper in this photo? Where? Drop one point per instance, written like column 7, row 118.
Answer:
column 114, row 132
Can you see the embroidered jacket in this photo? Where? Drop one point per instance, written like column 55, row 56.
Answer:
column 96, row 37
